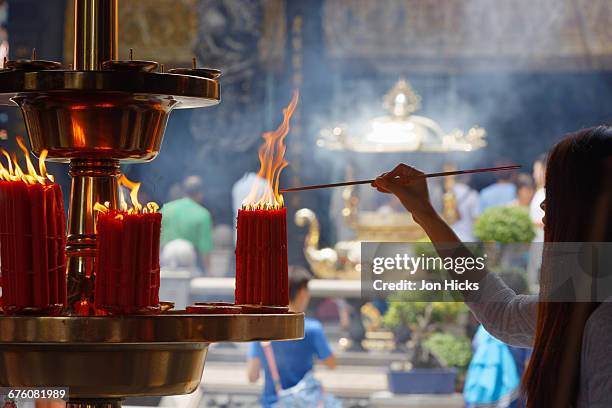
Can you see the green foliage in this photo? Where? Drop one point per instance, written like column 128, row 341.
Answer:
column 425, row 247
column 405, row 313
column 507, row 224
column 449, row 349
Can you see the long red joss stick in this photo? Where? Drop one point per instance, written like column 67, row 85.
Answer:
column 60, row 239
column 38, row 238
column 285, row 266
column 8, row 292
column 141, row 266
column 11, row 260
column 276, row 257
column 145, row 278
column 157, row 217
column 266, row 256
column 127, row 255
column 23, row 231
column 51, row 244
column 440, row 174
column 239, row 291
column 252, row 266
column 101, row 261
column 132, row 263
column 116, row 271
column 244, row 256
column 260, row 219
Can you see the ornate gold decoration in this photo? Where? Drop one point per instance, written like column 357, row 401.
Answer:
column 403, row 131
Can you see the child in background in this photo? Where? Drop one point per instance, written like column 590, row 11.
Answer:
column 294, row 359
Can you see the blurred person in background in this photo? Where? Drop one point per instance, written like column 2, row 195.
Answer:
column 294, row 359
column 179, row 265
column 186, row 218
column 242, row 188
column 525, row 189
column 536, row 213
column 493, row 377
column 502, row 192
column 468, row 208
column 535, row 210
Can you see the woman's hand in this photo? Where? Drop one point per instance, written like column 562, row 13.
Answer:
column 408, row 185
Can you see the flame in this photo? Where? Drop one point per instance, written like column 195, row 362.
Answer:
column 14, row 172
column 78, row 134
column 137, row 208
column 272, row 162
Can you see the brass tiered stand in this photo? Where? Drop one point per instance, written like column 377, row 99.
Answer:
column 95, row 115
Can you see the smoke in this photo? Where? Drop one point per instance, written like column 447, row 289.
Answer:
column 522, row 70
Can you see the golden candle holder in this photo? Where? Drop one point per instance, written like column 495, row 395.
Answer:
column 95, row 116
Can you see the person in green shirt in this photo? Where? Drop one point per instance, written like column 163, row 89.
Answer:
column 187, row 219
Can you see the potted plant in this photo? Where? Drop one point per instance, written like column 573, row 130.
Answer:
column 434, row 357
column 501, row 229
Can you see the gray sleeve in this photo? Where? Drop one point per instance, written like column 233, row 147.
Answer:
column 507, row 316
column 596, row 370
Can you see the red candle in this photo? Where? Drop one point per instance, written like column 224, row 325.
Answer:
column 261, row 258
column 32, row 247
column 127, row 262
column 261, row 245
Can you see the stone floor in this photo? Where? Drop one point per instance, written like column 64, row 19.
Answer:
column 346, row 381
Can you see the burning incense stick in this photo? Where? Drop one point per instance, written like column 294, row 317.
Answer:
column 441, row 174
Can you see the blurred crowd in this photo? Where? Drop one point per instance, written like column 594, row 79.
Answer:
column 522, row 190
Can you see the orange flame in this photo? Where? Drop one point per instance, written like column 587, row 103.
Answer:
column 78, row 134
column 272, row 162
column 136, row 208
column 14, row 172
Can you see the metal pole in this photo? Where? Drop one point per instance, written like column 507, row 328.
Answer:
column 95, row 33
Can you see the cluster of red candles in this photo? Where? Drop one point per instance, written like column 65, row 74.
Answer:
column 261, row 258
column 127, row 260
column 261, row 245
column 32, row 239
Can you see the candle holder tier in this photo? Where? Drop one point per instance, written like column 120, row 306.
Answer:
column 106, row 358
column 117, row 115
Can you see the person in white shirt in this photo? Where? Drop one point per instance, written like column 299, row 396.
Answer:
column 535, row 211
column 536, row 214
column 241, row 190
column 468, row 208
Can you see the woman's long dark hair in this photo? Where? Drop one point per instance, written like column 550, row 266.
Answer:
column 578, row 209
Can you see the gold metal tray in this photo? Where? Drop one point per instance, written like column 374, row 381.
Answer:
column 115, row 357
column 187, row 90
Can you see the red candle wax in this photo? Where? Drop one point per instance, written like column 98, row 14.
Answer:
column 240, row 233
column 261, row 258
column 127, row 262
column 38, row 236
column 32, row 247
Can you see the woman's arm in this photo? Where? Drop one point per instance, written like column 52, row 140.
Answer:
column 505, row 315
